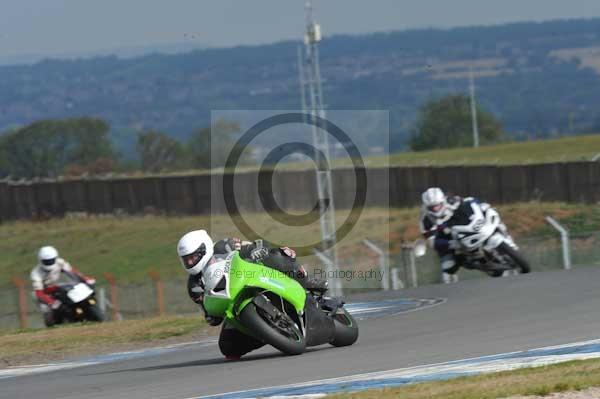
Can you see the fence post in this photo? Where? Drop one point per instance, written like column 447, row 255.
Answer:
column 20, row 284
column 335, row 289
column 114, row 298
column 397, row 282
column 413, row 267
column 412, row 263
column 564, row 237
column 385, row 279
column 160, row 296
column 102, row 299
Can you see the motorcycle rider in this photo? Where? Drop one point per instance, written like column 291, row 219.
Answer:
column 436, row 212
column 196, row 250
column 44, row 278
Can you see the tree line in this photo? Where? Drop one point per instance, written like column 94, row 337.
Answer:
column 81, row 146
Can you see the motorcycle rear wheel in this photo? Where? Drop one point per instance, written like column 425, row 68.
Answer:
column 346, row 329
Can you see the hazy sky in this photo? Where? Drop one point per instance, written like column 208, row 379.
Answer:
column 73, row 26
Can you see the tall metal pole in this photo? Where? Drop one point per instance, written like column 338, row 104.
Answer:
column 310, row 78
column 302, row 81
column 473, row 109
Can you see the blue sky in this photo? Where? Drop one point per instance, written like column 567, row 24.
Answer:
column 55, row 27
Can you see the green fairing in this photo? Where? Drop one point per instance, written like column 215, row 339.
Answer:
column 243, row 277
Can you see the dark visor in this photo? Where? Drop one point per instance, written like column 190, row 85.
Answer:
column 192, row 259
column 435, row 208
column 49, row 262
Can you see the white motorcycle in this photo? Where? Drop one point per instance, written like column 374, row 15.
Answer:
column 78, row 304
column 484, row 243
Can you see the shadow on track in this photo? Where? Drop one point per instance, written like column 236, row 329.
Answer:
column 207, row 362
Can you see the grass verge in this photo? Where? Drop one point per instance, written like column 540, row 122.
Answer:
column 27, row 346
column 564, row 149
column 541, row 381
column 577, row 148
column 130, row 246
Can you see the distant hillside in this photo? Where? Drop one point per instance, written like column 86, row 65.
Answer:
column 538, row 78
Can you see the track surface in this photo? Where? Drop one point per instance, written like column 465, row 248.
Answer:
column 481, row 317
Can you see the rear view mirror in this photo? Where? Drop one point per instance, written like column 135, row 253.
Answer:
column 419, row 248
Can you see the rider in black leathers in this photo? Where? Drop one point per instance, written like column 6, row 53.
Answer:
column 233, row 343
column 438, row 214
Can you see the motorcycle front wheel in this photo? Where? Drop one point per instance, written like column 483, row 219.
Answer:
column 281, row 332
column 515, row 256
column 93, row 313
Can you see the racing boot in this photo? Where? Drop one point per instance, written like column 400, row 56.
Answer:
column 448, row 278
column 314, row 284
column 310, row 283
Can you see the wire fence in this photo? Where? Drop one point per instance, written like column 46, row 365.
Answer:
column 141, row 300
column 136, row 300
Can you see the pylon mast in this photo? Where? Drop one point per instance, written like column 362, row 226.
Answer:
column 474, row 123
column 310, row 82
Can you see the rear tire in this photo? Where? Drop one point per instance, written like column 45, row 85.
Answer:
column 49, row 320
column 516, row 256
column 346, row 329
column 265, row 332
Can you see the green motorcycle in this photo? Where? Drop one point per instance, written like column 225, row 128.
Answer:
column 274, row 308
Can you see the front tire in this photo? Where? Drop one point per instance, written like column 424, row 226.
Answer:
column 516, row 256
column 93, row 313
column 289, row 341
column 346, row 329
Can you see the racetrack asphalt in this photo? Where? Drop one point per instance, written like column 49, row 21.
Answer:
column 480, row 317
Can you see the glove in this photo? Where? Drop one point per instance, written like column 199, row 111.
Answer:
column 213, row 321
column 258, row 254
column 289, row 252
column 56, row 304
column 237, row 243
column 90, row 281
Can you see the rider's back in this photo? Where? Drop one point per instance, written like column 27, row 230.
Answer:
column 463, row 213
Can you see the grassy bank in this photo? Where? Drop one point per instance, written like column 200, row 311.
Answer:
column 129, row 247
column 27, row 346
column 578, row 148
column 571, row 376
column 572, row 148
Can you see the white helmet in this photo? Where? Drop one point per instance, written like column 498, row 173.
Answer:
column 195, row 250
column 47, row 257
column 435, row 204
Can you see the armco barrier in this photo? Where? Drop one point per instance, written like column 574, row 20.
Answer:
column 570, row 182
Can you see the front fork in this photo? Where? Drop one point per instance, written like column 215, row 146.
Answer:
column 500, row 236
